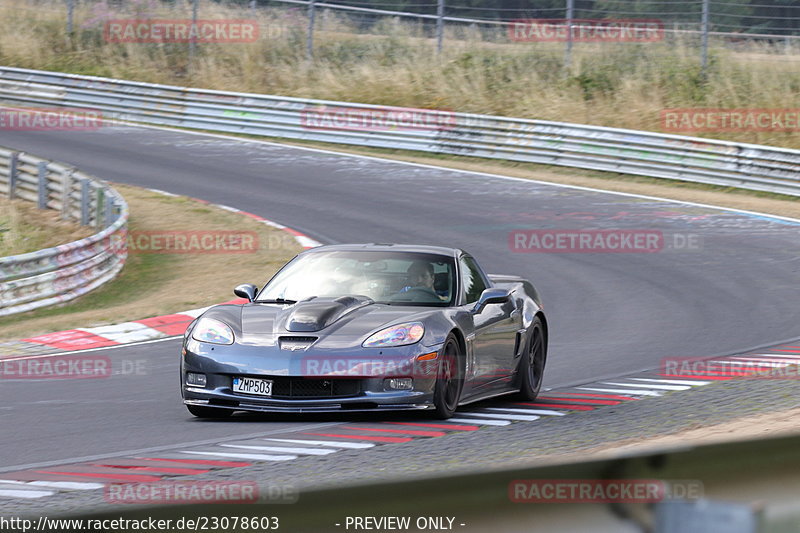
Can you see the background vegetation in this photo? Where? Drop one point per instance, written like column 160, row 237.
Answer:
column 395, row 63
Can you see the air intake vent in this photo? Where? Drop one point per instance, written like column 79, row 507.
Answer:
column 295, row 343
column 314, row 388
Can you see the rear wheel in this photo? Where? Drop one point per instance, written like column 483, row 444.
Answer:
column 531, row 366
column 449, row 380
column 201, row 411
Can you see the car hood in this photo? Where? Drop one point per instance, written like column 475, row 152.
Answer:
column 336, row 321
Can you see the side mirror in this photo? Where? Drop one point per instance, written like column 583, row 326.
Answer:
column 491, row 296
column 246, row 290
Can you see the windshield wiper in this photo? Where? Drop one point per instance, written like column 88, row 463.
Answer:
column 276, row 301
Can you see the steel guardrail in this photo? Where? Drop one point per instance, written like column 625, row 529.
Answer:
column 55, row 275
column 676, row 157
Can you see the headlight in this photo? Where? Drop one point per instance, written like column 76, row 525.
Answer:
column 213, row 331
column 398, row 335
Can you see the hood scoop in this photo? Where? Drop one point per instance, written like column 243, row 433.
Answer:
column 295, row 343
column 319, row 313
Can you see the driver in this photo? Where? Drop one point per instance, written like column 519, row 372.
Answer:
column 420, row 276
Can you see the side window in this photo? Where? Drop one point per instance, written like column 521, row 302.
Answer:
column 471, row 280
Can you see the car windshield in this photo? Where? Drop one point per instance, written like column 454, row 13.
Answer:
column 399, row 278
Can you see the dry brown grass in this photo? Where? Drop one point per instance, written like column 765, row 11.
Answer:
column 158, row 284
column 620, row 85
column 24, row 228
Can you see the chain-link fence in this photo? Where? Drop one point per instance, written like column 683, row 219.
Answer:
column 565, row 24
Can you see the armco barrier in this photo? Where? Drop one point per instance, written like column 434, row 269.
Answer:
column 54, row 275
column 656, row 155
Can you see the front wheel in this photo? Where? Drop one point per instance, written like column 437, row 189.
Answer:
column 531, row 365
column 449, row 380
column 201, row 411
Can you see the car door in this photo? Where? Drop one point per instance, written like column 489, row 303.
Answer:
column 494, row 330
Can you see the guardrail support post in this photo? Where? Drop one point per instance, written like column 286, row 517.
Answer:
column 109, row 210
column 439, row 25
column 568, row 46
column 706, row 11
column 12, row 174
column 310, row 36
column 42, row 184
column 85, row 200
column 100, row 196
column 193, row 39
column 70, row 11
column 66, row 189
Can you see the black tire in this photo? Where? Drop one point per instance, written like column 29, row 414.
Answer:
column 531, row 365
column 449, row 379
column 201, row 411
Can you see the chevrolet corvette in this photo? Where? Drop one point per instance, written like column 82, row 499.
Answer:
column 367, row 327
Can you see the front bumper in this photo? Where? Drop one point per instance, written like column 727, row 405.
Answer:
column 322, row 381
column 301, row 406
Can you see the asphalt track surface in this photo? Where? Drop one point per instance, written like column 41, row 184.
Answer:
column 610, row 313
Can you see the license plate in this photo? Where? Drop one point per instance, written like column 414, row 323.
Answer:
column 259, row 387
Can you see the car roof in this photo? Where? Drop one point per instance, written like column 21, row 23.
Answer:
column 388, row 247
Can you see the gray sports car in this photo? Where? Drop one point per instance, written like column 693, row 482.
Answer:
column 366, row 327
